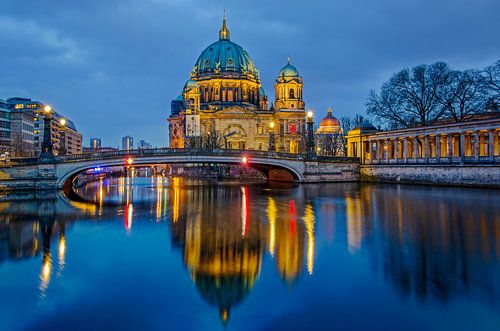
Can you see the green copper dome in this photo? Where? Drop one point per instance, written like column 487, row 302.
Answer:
column 224, row 57
column 288, row 71
column 190, row 84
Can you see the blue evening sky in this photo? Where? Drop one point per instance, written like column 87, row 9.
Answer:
column 113, row 66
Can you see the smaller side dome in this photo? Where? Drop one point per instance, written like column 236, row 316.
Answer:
column 191, row 84
column 329, row 124
column 288, row 71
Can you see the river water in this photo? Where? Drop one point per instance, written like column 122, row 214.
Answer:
column 171, row 253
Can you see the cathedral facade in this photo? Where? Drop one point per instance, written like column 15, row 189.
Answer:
column 223, row 104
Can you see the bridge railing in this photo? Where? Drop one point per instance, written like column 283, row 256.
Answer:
column 154, row 152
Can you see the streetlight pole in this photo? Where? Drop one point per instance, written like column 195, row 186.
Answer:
column 47, row 147
column 272, row 142
column 62, row 138
column 310, row 148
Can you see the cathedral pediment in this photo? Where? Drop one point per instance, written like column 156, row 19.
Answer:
column 235, row 110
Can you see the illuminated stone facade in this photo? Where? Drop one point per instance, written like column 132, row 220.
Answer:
column 224, row 105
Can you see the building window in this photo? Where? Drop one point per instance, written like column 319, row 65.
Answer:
column 292, row 94
column 260, row 130
column 292, row 128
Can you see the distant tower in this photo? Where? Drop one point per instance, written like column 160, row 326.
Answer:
column 95, row 143
column 191, row 95
column 288, row 88
column 127, row 143
column 262, row 99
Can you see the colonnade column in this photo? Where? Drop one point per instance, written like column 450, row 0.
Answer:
column 405, row 149
column 450, row 146
column 426, row 148
column 386, row 149
column 396, row 149
column 438, row 147
column 378, row 150
column 491, row 145
column 476, row 146
column 415, row 148
column 462, row 146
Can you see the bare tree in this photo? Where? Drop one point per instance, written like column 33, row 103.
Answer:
column 465, row 95
column 212, row 139
column 346, row 124
column 16, row 142
column 330, row 144
column 411, row 97
column 492, row 79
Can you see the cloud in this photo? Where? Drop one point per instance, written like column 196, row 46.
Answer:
column 28, row 33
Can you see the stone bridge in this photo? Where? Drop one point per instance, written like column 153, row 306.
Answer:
column 58, row 172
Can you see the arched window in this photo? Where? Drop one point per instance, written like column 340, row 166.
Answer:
column 207, row 63
column 292, row 94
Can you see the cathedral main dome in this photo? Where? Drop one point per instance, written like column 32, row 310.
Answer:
column 224, row 58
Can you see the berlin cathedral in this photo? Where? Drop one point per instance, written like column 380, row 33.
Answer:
column 224, row 105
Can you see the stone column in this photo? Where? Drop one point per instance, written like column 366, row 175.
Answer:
column 476, row 146
column 405, row 149
column 396, row 149
column 386, row 149
column 450, row 146
column 426, row 148
column 415, row 148
column 438, row 147
column 377, row 152
column 370, row 150
column 462, row 146
column 491, row 145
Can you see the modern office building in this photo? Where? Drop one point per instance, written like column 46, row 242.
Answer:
column 127, row 143
column 27, row 128
column 144, row 145
column 4, row 125
column 95, row 143
column 22, row 118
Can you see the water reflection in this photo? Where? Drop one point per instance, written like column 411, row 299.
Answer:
column 428, row 243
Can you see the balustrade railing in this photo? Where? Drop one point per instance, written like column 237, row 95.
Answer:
column 159, row 152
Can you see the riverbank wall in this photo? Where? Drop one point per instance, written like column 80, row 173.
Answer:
column 477, row 175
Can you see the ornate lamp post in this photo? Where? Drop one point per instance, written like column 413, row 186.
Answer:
column 272, row 142
column 62, row 138
column 310, row 148
column 47, row 147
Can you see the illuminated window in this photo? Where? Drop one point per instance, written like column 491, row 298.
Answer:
column 19, row 106
column 293, row 128
column 260, row 130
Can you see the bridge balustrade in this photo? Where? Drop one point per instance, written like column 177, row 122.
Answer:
column 159, row 152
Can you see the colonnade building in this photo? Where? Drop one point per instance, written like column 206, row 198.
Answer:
column 473, row 141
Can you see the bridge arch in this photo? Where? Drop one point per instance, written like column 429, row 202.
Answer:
column 273, row 169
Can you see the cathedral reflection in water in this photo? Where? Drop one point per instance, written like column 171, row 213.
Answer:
column 423, row 240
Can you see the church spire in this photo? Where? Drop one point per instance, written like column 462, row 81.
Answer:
column 224, row 32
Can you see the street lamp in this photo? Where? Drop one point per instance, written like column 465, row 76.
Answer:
column 62, row 138
column 310, row 148
column 272, row 143
column 47, row 148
